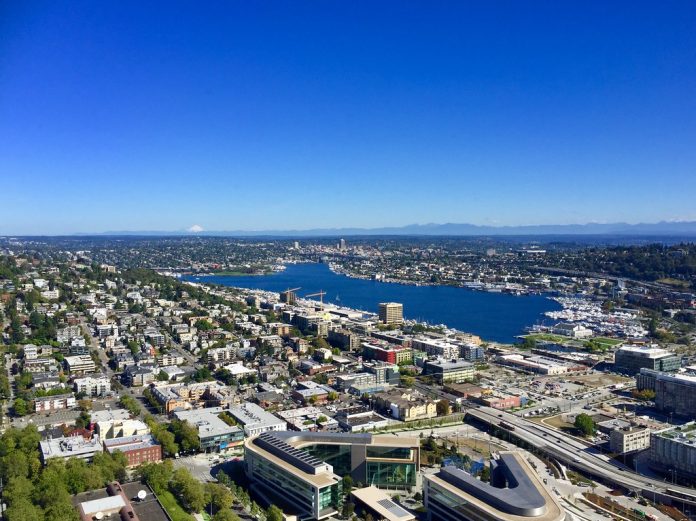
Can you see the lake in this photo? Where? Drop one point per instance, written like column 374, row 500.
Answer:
column 493, row 316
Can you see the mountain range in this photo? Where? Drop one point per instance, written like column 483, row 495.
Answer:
column 671, row 228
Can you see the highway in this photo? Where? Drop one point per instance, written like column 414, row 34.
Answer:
column 576, row 455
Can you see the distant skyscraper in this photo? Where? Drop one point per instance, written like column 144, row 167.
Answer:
column 391, row 313
column 342, row 245
column 297, row 245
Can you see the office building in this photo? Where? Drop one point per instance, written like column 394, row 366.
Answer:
column 631, row 359
column 255, row 420
column 80, row 364
column 214, row 434
column 449, row 371
column 674, row 393
column 303, row 471
column 629, row 439
column 384, row 373
column 380, row 505
column 515, row 492
column 391, row 313
column 673, row 451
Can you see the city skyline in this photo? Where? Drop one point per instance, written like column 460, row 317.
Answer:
column 126, row 117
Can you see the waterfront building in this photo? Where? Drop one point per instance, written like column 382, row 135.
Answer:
column 631, row 359
column 449, row 371
column 303, row 471
column 436, row 347
column 391, row 313
column 515, row 492
column 472, row 352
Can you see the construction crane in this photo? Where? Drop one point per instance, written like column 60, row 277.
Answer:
column 288, row 296
column 319, row 294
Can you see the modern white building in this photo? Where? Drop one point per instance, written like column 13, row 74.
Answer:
column 256, row 420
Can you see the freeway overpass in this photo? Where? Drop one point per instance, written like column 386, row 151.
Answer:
column 576, row 455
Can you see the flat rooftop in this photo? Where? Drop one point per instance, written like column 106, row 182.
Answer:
column 382, row 504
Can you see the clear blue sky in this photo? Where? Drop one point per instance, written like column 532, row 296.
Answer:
column 264, row 115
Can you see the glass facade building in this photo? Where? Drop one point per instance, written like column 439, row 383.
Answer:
column 305, row 470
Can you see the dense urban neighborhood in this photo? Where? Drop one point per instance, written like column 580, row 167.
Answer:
column 128, row 389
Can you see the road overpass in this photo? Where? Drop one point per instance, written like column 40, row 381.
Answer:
column 578, row 456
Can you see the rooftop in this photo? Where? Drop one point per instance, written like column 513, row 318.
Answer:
column 207, row 421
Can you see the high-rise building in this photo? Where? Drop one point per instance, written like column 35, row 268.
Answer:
column 342, row 245
column 391, row 313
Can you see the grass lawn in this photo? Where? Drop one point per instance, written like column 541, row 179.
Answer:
column 173, row 508
column 674, row 282
column 608, row 341
column 548, row 337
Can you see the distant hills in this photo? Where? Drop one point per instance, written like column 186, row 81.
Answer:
column 679, row 228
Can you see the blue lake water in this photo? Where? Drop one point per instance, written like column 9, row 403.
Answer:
column 493, row 316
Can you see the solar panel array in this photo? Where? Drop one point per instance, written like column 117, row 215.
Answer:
column 288, row 453
column 392, row 507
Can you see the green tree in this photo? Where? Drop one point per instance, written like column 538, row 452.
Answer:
column 156, row 475
column 274, row 514
column 443, row 407
column 584, row 423
column 23, row 510
column 219, row 496
column 20, row 407
column 186, row 435
column 225, row 515
column 347, row 484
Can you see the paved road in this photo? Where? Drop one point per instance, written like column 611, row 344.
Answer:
column 577, row 455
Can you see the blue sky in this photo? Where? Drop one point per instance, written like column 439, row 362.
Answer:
column 269, row 115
